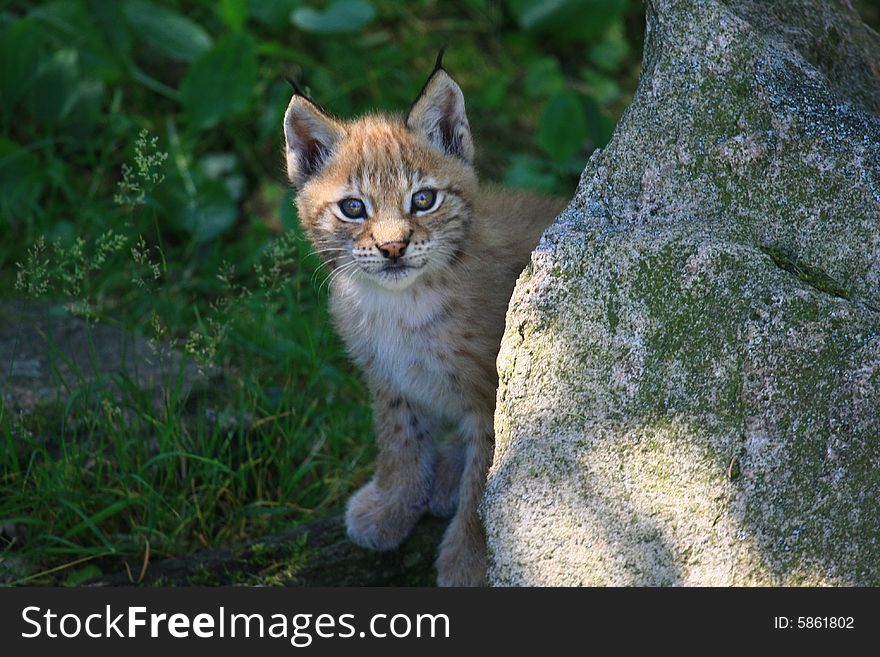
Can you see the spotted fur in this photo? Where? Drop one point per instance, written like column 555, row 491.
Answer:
column 426, row 327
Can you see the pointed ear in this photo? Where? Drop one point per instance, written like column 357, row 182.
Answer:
column 310, row 137
column 439, row 115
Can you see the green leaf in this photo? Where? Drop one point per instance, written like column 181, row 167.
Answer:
column 562, row 130
column 603, row 88
column 494, row 93
column 63, row 95
column 611, row 52
column 21, row 56
column 21, row 181
column 225, row 168
column 234, row 13
column 212, row 214
column 530, row 173
column 166, row 30
column 544, row 77
column 567, row 20
column 110, row 20
column 341, row 16
column 50, row 99
column 221, row 82
column 273, row 13
column 82, row 575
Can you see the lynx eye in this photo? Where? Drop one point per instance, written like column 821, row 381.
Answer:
column 424, row 199
column 353, row 208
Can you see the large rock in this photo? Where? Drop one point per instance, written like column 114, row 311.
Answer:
column 690, row 375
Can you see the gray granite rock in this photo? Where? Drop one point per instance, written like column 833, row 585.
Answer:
column 690, row 376
column 46, row 355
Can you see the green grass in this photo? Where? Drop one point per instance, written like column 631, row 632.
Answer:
column 99, row 481
column 205, row 253
column 281, row 436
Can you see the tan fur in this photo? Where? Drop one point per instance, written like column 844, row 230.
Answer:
column 427, row 337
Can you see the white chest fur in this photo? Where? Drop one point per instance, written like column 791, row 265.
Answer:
column 403, row 338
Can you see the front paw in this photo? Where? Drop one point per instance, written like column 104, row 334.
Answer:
column 462, row 558
column 447, row 478
column 381, row 519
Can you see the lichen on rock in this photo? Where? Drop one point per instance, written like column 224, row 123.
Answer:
column 690, row 376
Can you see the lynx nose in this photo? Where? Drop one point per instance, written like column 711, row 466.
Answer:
column 393, row 250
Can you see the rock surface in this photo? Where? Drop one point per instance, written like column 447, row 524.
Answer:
column 47, row 354
column 690, row 376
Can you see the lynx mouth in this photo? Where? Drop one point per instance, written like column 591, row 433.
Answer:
column 396, row 272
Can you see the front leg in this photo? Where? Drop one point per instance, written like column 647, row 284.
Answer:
column 383, row 513
column 462, row 558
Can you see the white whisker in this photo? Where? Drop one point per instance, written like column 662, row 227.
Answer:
column 336, row 273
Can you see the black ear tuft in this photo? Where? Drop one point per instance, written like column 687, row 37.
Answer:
column 296, row 88
column 438, row 64
column 439, row 115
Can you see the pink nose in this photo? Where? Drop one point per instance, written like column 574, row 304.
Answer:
column 393, row 249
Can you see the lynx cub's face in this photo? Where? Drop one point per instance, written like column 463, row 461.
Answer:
column 385, row 199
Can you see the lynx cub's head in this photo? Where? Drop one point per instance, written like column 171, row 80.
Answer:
column 384, row 198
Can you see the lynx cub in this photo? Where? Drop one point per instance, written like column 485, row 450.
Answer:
column 423, row 260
